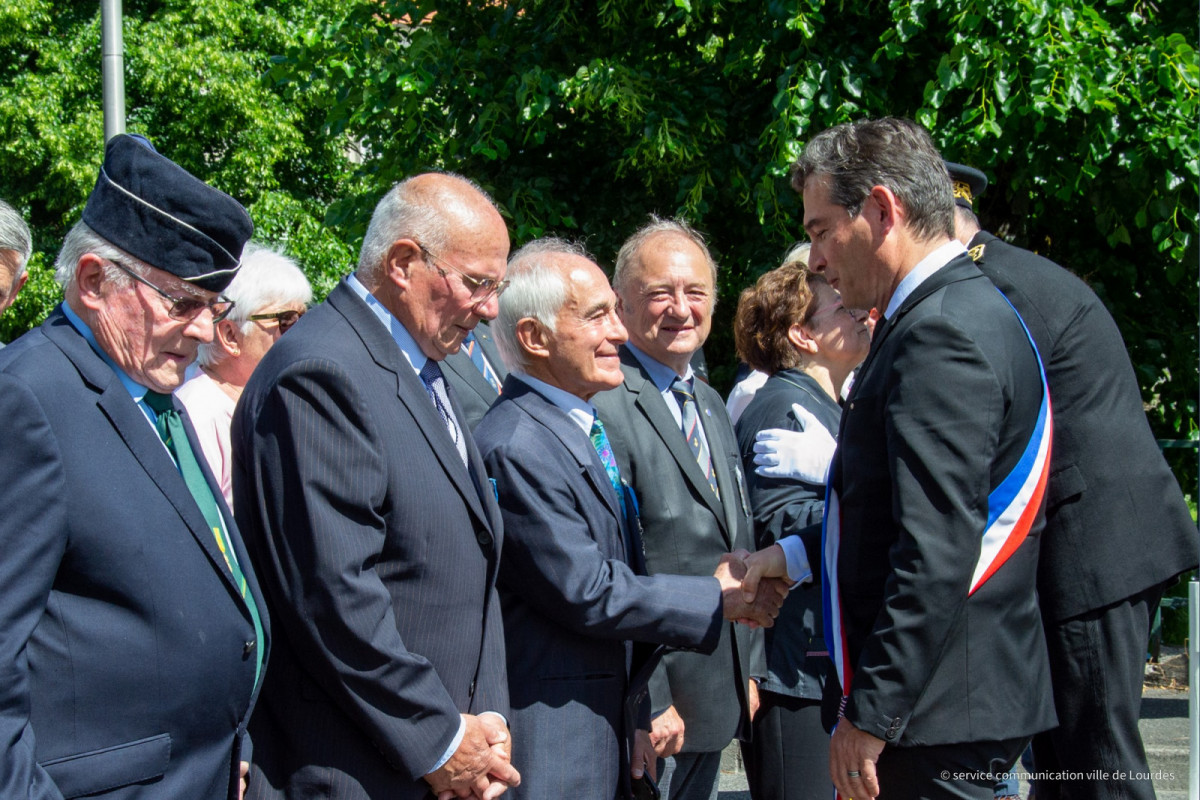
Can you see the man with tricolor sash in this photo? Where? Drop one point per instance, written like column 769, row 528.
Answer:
column 934, row 507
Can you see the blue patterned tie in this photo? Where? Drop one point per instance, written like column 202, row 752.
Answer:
column 435, row 385
column 475, row 351
column 692, row 432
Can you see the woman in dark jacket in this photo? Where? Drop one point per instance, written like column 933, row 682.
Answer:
column 791, row 325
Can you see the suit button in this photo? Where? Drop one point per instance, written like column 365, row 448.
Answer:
column 248, row 647
column 890, row 734
column 484, row 538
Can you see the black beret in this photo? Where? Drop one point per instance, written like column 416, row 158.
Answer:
column 158, row 212
column 968, row 183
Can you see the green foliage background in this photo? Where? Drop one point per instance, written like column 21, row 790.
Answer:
column 581, row 116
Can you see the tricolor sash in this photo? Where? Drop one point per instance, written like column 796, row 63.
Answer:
column 1012, row 508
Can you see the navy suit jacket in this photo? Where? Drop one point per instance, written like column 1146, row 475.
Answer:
column 1116, row 520
column 687, row 530
column 474, row 392
column 125, row 664
column 939, row 414
column 377, row 549
column 571, row 600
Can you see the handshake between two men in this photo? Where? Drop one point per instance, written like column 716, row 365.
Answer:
column 755, row 604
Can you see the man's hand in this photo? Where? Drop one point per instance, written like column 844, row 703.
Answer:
column 666, row 733
column 760, row 567
column 480, row 767
column 243, row 779
column 756, row 610
column 752, row 698
column 644, row 759
column 803, row 455
column 852, row 757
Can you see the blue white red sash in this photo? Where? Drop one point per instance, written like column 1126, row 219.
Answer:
column 1012, row 508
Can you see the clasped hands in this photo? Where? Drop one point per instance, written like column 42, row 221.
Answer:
column 756, row 605
column 481, row 767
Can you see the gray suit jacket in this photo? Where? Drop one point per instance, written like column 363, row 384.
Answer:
column 473, row 391
column 686, row 531
column 378, row 551
column 572, row 601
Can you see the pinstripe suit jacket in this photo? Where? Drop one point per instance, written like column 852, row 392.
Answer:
column 687, row 530
column 571, row 600
column 378, row 550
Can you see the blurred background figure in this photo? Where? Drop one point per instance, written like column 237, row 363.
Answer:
column 16, row 247
column 792, row 327
column 270, row 294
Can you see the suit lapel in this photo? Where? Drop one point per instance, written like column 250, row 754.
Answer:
column 729, row 482
column 565, row 429
column 410, row 391
column 134, row 428
column 651, row 403
column 462, row 366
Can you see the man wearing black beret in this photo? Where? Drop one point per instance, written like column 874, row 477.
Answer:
column 132, row 631
column 1118, row 531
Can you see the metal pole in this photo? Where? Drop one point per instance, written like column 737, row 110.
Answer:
column 112, row 47
column 1194, row 686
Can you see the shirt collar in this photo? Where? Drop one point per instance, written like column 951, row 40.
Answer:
column 660, row 374
column 407, row 344
column 135, row 389
column 581, row 412
column 928, row 265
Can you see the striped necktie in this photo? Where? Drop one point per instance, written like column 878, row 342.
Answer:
column 435, row 385
column 171, row 430
column 475, row 351
column 682, row 390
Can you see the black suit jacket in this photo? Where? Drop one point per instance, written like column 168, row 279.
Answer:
column 126, row 669
column 1116, row 520
column 939, row 414
column 378, row 552
column 782, row 508
column 572, row 602
column 686, row 530
column 474, row 393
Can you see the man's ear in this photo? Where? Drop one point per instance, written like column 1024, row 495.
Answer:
column 800, row 339
column 17, row 286
column 401, row 259
column 882, row 208
column 89, row 281
column 533, row 337
column 228, row 335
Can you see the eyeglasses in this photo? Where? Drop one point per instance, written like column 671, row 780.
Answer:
column 482, row 289
column 185, row 308
column 857, row 316
column 286, row 319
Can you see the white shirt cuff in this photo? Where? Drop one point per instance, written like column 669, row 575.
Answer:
column 797, row 560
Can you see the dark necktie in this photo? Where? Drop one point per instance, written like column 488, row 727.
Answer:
column 174, row 435
column 692, row 432
column 475, row 351
column 435, row 384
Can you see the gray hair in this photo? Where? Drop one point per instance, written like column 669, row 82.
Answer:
column 80, row 241
column 535, row 290
column 890, row 152
column 629, row 257
column 266, row 278
column 407, row 211
column 14, row 235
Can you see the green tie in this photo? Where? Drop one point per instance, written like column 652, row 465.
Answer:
column 174, row 436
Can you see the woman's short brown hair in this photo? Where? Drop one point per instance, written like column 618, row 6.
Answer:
column 766, row 312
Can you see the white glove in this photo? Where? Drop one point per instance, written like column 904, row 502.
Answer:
column 803, row 455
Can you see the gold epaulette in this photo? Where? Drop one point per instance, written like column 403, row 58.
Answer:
column 976, row 252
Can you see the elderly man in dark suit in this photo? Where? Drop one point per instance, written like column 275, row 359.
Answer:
column 1118, row 531
column 476, row 372
column 134, row 635
column 368, row 510
column 934, row 507
column 676, row 447
column 572, row 580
